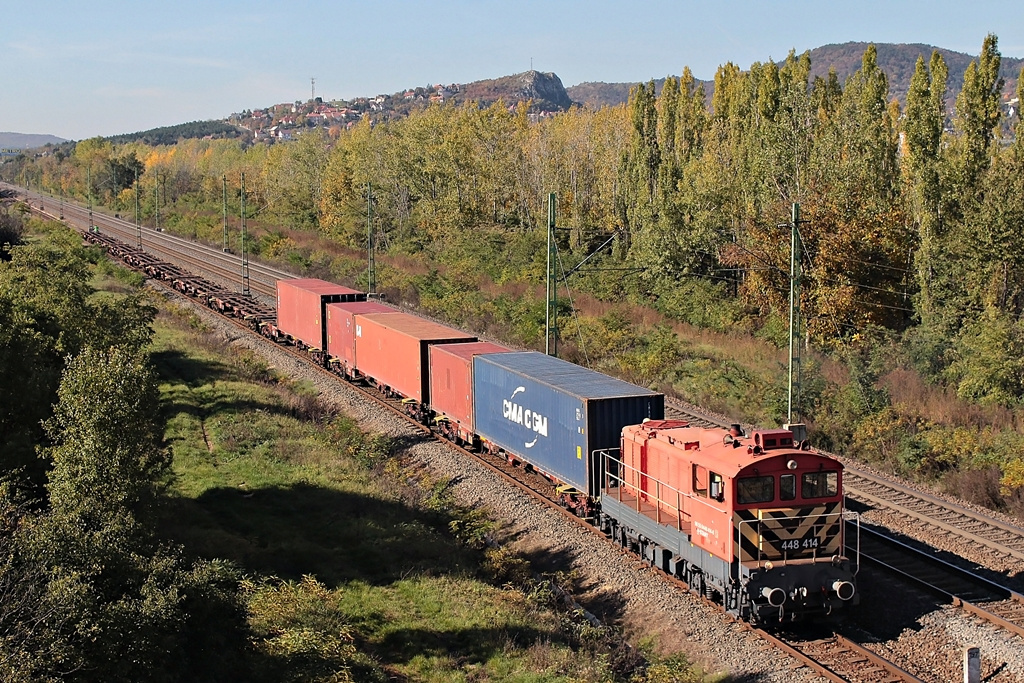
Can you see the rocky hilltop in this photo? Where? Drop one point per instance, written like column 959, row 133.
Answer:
column 544, row 89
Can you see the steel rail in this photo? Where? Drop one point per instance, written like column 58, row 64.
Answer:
column 948, row 581
column 839, row 658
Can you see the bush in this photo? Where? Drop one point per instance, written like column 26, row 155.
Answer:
column 299, row 628
column 981, row 487
column 700, row 303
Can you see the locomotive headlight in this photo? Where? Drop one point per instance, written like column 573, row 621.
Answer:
column 776, row 596
column 768, row 565
column 844, row 589
column 791, row 465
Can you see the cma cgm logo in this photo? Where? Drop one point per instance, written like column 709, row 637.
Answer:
column 514, row 412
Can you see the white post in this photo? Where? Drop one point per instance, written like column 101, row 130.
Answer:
column 972, row 665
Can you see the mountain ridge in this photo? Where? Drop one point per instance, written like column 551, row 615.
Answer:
column 547, row 94
column 897, row 60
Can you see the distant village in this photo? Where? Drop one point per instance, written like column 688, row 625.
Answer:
column 288, row 120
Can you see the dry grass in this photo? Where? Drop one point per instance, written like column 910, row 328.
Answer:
column 941, row 405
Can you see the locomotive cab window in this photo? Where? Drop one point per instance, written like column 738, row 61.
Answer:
column 819, row 484
column 717, row 486
column 755, row 490
column 700, row 481
column 787, row 487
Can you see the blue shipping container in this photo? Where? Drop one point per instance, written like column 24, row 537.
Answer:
column 554, row 414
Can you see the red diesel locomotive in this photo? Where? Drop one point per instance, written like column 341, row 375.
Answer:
column 756, row 523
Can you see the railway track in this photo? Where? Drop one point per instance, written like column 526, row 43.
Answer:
column 838, row 658
column 831, row 657
column 834, row 663
column 945, row 517
column 204, row 260
column 977, row 595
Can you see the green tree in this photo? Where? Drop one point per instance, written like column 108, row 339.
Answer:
column 29, row 616
column 977, row 117
column 108, row 455
column 988, row 360
column 29, row 373
column 924, row 120
column 124, row 171
column 966, row 247
column 127, row 609
column 47, row 313
column 637, row 199
column 293, row 179
column 12, row 227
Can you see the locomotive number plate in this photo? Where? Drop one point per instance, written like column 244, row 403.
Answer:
column 799, row 544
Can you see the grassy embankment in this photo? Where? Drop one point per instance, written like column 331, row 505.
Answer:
column 351, row 567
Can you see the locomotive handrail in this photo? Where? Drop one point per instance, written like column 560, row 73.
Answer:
column 851, row 516
column 621, row 484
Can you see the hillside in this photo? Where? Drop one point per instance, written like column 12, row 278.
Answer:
column 544, row 90
column 168, row 135
column 27, row 141
column 546, row 93
column 896, row 60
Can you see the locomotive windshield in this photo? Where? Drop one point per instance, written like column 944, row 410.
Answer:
column 787, row 487
column 819, row 484
column 755, row 490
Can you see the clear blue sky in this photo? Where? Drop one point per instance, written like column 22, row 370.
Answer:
column 78, row 69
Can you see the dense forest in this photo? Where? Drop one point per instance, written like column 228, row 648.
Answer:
column 911, row 227
column 168, row 135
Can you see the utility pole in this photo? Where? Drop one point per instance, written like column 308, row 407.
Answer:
column 794, row 315
column 88, row 176
column 138, row 224
column 156, row 202
column 225, row 183
column 245, row 259
column 371, row 266
column 551, row 311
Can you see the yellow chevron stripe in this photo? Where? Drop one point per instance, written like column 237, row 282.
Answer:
column 758, row 531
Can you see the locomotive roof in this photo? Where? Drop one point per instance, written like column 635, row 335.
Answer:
column 720, row 451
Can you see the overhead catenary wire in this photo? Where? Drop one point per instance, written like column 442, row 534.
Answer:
column 572, row 304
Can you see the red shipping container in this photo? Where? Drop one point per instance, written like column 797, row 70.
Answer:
column 341, row 330
column 301, row 308
column 451, row 380
column 392, row 348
